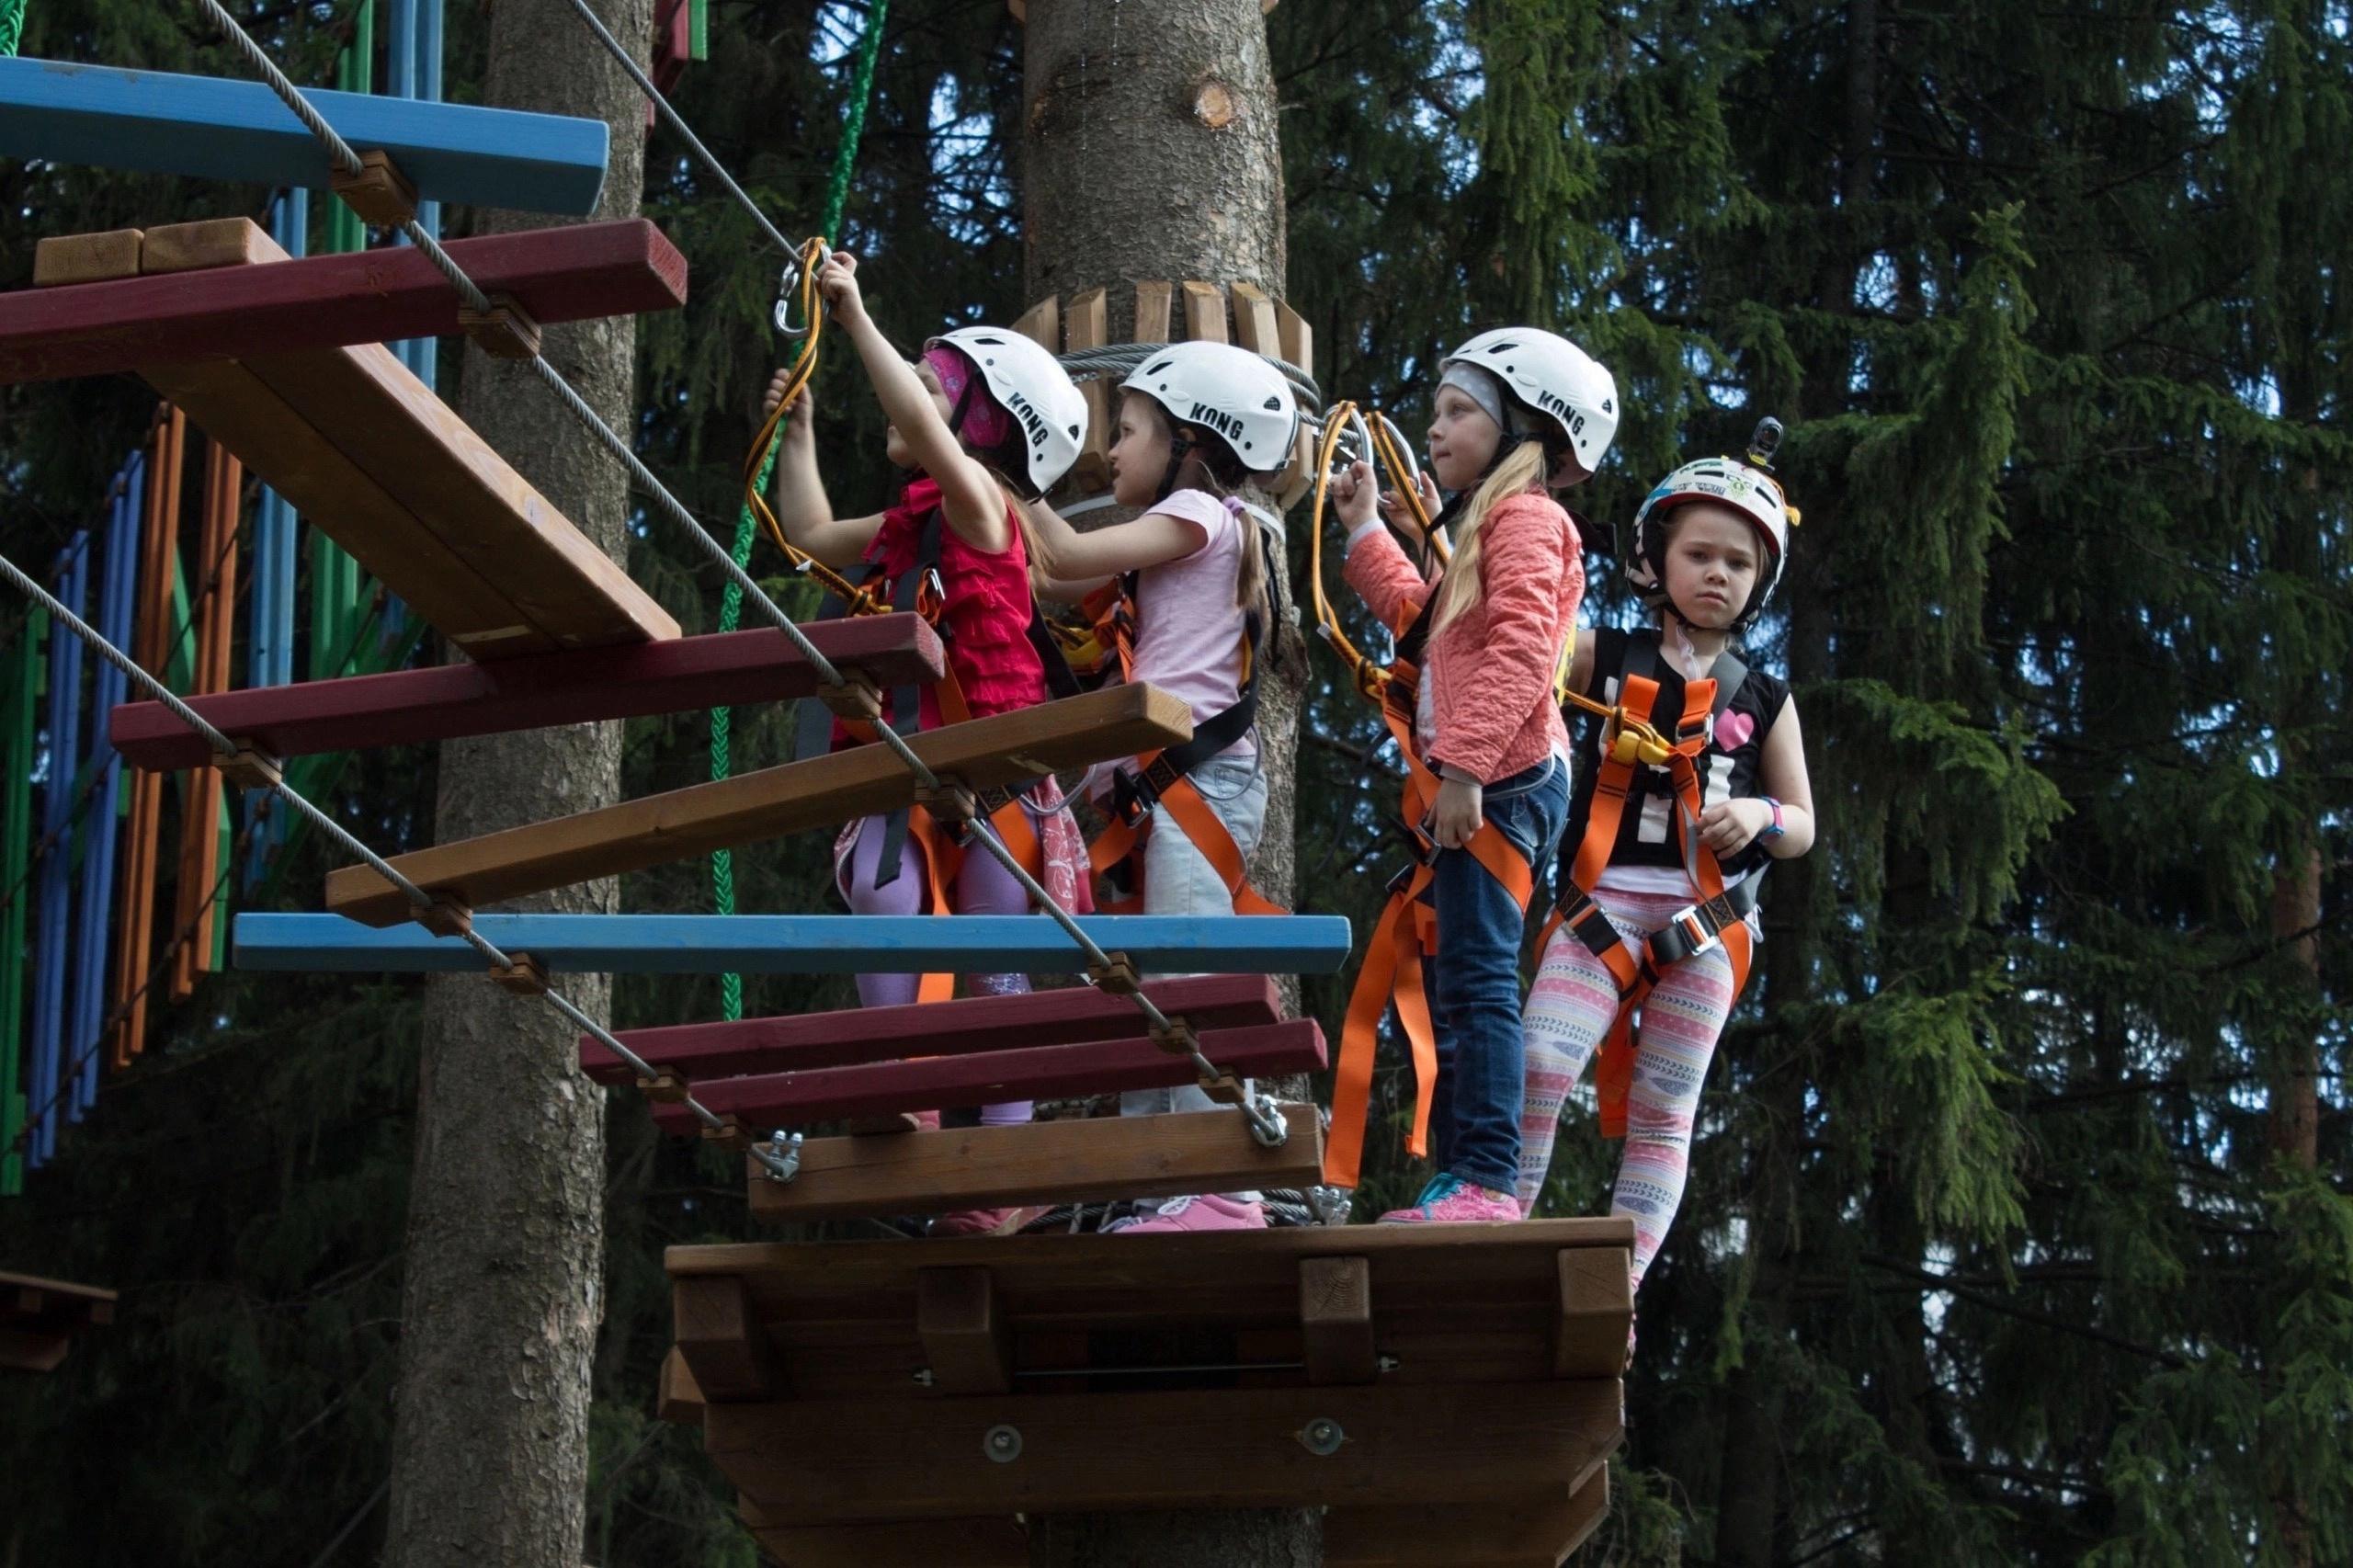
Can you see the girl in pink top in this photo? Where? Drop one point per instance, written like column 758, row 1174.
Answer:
column 984, row 418
column 1197, row 421
column 1518, row 413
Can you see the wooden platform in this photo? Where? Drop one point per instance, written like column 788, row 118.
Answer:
column 117, row 320
column 799, row 944
column 39, row 1319
column 1449, row 1394
column 414, row 707
column 220, row 128
column 1006, row 749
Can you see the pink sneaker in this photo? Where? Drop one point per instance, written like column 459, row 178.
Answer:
column 1209, row 1212
column 989, row 1221
column 1450, row 1200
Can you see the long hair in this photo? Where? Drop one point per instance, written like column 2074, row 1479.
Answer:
column 1522, row 470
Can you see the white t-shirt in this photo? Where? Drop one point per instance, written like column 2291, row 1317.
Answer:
column 1188, row 628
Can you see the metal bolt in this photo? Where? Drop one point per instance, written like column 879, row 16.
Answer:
column 1001, row 1444
column 924, row 1376
column 1388, row 1363
column 786, row 1147
column 1321, row 1436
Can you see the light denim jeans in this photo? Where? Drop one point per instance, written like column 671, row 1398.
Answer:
column 1180, row 880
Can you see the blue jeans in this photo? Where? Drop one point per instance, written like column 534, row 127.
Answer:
column 1474, row 983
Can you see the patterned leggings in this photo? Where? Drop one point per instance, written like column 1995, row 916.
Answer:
column 1569, row 1013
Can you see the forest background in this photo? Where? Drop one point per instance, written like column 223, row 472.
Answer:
column 2018, row 1227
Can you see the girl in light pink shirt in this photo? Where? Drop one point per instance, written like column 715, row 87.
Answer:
column 1183, row 588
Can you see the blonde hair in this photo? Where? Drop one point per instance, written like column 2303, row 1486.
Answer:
column 1457, row 591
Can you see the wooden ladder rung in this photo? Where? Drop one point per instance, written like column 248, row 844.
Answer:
column 1004, row 749
column 1043, row 1161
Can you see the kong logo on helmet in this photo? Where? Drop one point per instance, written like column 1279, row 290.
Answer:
column 1224, row 424
column 1561, row 409
column 1031, row 420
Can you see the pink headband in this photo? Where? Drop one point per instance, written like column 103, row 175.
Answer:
column 985, row 426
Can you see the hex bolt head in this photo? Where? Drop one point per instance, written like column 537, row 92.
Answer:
column 1321, row 1436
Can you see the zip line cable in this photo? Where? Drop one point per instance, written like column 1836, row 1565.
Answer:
column 1266, row 1123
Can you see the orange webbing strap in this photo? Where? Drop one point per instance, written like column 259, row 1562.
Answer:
column 943, row 861
column 1391, row 973
column 1123, row 841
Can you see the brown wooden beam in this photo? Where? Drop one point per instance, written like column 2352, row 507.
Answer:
column 1004, row 749
column 1336, row 1319
column 967, row 1340
column 1597, row 1312
column 725, row 1350
column 1042, row 1162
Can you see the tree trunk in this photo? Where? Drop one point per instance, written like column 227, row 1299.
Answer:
column 504, row 1285
column 1150, row 152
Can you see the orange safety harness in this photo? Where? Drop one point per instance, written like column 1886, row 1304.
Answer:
column 1407, row 931
column 1164, row 778
column 1632, row 740
column 940, row 844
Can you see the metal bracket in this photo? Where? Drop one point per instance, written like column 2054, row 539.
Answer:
column 1321, row 1436
column 786, row 1148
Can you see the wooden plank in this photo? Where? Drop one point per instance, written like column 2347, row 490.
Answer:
column 1083, row 326
column 1336, row 1319
column 1042, row 1162
column 87, row 258
column 799, row 1041
column 1204, row 312
column 412, row 707
column 1004, row 749
column 799, row 944
column 676, row 1397
column 375, row 410
column 207, row 243
column 1041, row 324
column 994, row 1077
column 1254, row 320
column 281, row 446
column 993, row 1542
column 1296, row 338
column 219, row 129
column 1597, row 1312
column 192, row 305
column 1538, row 1531
column 1152, row 302
column 967, row 1341
column 720, row 1341
column 851, row 1460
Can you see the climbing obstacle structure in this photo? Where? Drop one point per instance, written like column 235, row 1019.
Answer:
column 40, row 1318
column 1451, row 1394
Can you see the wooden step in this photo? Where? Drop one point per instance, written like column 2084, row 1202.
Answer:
column 994, row 1077
column 799, row 944
column 796, row 1042
column 1041, row 1161
column 175, row 314
column 442, row 702
column 1006, row 749
column 39, row 1319
column 221, row 129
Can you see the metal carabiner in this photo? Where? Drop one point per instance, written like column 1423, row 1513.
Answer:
column 788, row 284
column 1404, row 449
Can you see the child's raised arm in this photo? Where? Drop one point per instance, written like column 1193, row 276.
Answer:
column 801, row 507
column 1072, row 561
column 970, row 493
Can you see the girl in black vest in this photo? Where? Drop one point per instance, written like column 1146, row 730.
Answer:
column 1651, row 943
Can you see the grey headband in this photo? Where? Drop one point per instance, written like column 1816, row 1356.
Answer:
column 1483, row 387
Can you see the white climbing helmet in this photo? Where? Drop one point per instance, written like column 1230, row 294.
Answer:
column 1032, row 386
column 1231, row 393
column 1554, row 377
column 1751, row 492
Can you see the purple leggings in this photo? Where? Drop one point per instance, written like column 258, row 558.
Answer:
column 983, row 887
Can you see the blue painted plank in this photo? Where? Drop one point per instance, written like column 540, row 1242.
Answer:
column 803, row 944
column 117, row 601
column 220, row 128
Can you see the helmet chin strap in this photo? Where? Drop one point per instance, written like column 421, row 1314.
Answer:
column 1179, row 449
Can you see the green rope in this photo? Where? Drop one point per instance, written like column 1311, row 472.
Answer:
column 12, row 26
column 731, row 603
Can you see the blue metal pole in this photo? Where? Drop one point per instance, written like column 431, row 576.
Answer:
column 116, row 604
column 428, row 211
column 276, row 554
column 50, row 939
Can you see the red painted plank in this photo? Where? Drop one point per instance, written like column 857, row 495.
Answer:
column 567, row 273
column 1046, row 1072
column 799, row 1041
column 411, row 707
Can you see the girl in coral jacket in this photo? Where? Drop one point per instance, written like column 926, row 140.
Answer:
column 1518, row 414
